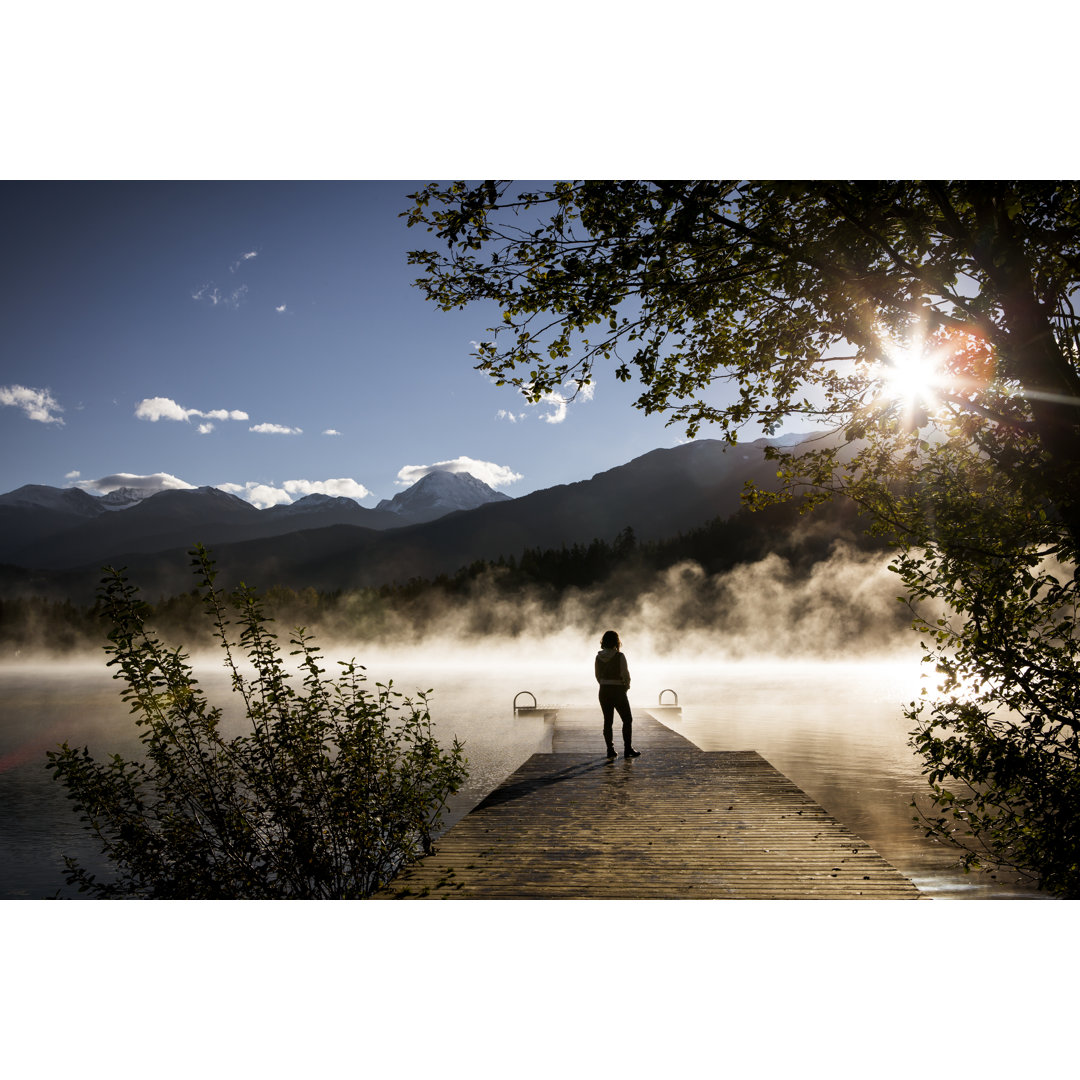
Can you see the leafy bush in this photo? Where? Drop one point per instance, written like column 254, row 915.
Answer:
column 328, row 794
column 1000, row 738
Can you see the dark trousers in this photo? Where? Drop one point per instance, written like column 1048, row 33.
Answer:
column 613, row 699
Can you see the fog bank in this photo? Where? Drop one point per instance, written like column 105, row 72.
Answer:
column 842, row 607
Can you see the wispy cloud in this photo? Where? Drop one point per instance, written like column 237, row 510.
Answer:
column 163, row 408
column 279, row 308
column 493, row 475
column 276, row 429
column 243, row 259
column 148, row 482
column 214, row 296
column 561, row 405
column 73, row 475
column 230, row 297
column 263, row 495
column 205, row 429
column 331, row 431
column 38, row 405
column 505, row 414
column 562, row 402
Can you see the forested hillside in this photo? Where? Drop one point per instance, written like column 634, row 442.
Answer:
column 499, row 596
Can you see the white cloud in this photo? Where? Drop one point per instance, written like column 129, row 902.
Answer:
column 276, row 429
column 221, row 414
column 505, row 414
column 493, row 475
column 260, row 495
column 162, row 408
column 341, row 486
column 205, row 429
column 139, row 481
column 562, row 401
column 331, row 431
column 38, row 405
column 280, row 308
column 264, row 495
column 560, row 404
column 73, row 475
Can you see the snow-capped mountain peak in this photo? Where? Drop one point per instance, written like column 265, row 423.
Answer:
column 123, row 497
column 438, row 493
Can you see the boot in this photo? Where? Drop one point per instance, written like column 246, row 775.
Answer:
column 611, row 752
column 629, row 751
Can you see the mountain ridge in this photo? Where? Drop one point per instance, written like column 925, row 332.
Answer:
column 658, row 494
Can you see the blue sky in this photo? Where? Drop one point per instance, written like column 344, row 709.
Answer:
column 125, row 303
column 261, row 336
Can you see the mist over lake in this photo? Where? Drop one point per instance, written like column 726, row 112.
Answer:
column 834, row 727
column 811, row 669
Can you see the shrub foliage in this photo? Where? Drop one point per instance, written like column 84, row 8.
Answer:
column 328, row 791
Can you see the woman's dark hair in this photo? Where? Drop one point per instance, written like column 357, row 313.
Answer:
column 610, row 640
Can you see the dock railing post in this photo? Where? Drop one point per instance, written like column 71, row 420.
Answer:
column 518, row 694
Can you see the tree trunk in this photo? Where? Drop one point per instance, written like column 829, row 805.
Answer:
column 1035, row 356
column 1043, row 369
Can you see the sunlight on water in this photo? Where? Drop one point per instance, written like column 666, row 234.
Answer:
column 836, row 729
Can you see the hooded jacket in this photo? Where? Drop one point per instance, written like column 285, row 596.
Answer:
column 611, row 669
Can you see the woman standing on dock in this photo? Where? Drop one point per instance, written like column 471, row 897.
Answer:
column 613, row 675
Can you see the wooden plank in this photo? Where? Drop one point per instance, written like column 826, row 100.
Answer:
column 581, row 731
column 675, row 823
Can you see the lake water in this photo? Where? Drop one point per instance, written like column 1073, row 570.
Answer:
column 835, row 729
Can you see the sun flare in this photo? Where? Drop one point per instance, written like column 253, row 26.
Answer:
column 911, row 373
column 929, row 375
column 911, row 376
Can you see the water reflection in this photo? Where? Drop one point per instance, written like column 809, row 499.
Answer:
column 835, row 729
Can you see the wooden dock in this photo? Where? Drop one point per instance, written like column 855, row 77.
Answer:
column 675, row 823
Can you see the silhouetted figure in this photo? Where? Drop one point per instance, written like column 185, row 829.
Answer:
column 613, row 675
